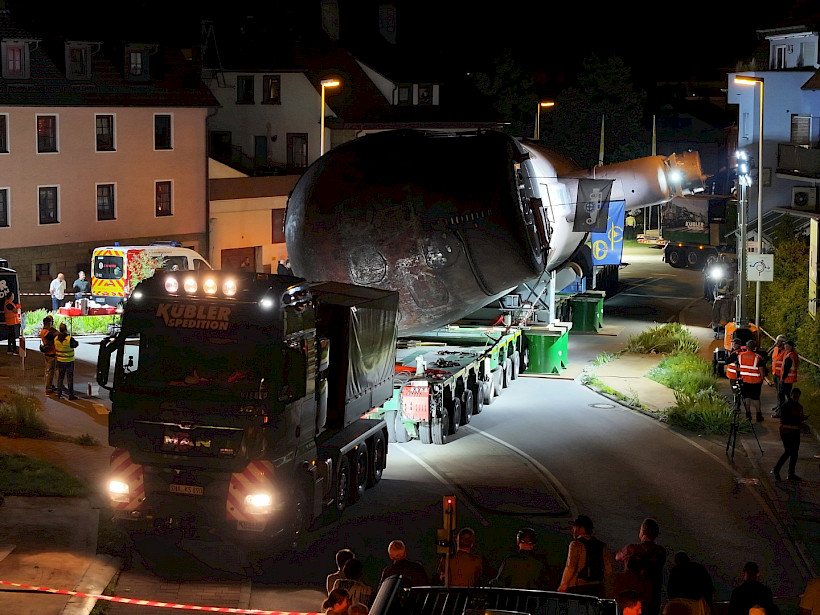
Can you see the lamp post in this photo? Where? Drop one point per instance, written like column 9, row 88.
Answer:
column 326, row 83
column 743, row 80
column 545, row 104
column 745, row 180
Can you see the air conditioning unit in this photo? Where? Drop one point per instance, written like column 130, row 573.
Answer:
column 804, row 198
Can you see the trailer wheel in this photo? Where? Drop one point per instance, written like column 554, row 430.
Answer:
column 439, row 427
column 516, row 364
column 488, row 390
column 478, row 397
column 401, row 432
column 455, row 416
column 377, row 459
column 424, row 433
column 693, row 259
column 361, row 470
column 674, row 257
column 467, row 405
column 342, row 485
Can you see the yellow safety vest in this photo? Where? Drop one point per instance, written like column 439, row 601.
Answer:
column 65, row 353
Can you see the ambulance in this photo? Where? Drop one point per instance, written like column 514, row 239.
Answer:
column 112, row 267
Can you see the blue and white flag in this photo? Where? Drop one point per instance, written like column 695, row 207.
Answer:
column 607, row 247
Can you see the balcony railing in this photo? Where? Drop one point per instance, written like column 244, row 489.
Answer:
column 798, row 160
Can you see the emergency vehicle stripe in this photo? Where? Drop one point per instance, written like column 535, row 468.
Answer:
column 257, row 475
column 124, row 469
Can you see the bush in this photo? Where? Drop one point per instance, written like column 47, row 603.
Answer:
column 705, row 411
column 25, row 476
column 77, row 324
column 19, row 415
column 667, row 338
column 684, row 372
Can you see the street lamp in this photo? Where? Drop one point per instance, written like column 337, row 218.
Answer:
column 326, row 83
column 545, row 104
column 743, row 80
column 744, row 178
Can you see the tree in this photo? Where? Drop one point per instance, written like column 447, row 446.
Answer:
column 511, row 92
column 604, row 90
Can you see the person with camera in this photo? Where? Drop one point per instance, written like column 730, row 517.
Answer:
column 751, row 371
column 791, row 424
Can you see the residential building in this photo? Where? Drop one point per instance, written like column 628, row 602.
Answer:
column 100, row 142
column 787, row 92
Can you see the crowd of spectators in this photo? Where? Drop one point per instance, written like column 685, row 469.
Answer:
column 633, row 575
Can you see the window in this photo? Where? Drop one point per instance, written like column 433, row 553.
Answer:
column 801, row 130
column 42, row 272
column 425, row 94
column 46, row 133
column 78, row 62
column 4, row 206
column 105, row 133
column 47, row 202
column 272, row 89
column 105, row 202
column 244, row 90
column 297, row 150
column 4, row 133
column 163, row 198
column 162, row 132
column 779, row 57
column 405, row 95
column 15, row 60
column 277, row 223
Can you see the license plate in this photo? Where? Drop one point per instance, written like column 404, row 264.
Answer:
column 187, row 489
column 250, row 526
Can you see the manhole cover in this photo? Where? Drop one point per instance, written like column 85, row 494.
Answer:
column 601, row 405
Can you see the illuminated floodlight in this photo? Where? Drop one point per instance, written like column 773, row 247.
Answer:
column 266, row 303
column 172, row 285
column 716, row 273
column 258, row 503
column 190, row 285
column 209, row 286
column 229, row 287
column 136, row 294
column 675, row 176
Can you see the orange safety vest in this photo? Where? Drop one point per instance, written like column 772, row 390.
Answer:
column 731, row 367
column 778, row 354
column 11, row 311
column 749, row 363
column 792, row 375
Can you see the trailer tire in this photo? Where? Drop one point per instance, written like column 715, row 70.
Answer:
column 507, row 367
column 675, row 258
column 488, row 390
column 467, row 405
column 424, row 433
column 516, row 364
column 498, row 380
column 455, row 416
column 343, row 483
column 694, row 259
column 478, row 397
column 378, row 460
column 400, row 431
column 361, row 471
column 438, row 429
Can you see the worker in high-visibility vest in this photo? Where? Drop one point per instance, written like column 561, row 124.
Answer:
column 751, row 372
column 777, row 353
column 731, row 370
column 11, row 315
column 788, row 374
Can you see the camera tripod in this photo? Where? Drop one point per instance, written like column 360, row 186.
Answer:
column 735, row 427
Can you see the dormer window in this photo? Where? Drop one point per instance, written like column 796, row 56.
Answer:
column 136, row 62
column 78, row 61
column 15, row 58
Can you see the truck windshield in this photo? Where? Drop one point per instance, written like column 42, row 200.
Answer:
column 194, row 360
column 108, row 267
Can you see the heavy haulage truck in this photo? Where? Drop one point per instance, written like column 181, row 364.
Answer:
column 236, row 401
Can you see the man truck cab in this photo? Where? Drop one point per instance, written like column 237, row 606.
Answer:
column 112, row 267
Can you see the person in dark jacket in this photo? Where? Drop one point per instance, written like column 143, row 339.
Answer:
column 652, row 558
column 412, row 573
column 791, row 424
column 690, row 580
column 751, row 593
column 524, row 569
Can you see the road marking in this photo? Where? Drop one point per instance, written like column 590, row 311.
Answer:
column 462, row 496
column 550, row 480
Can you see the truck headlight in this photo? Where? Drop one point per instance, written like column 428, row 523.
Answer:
column 209, row 286
column 190, row 285
column 229, row 288
column 118, row 491
column 171, row 285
